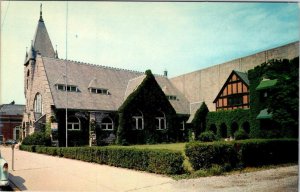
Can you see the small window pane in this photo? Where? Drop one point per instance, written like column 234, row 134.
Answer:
column 73, row 88
column 70, row 126
column 76, row 126
column 60, row 87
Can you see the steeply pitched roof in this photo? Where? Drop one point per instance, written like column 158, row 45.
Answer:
column 83, row 76
column 181, row 104
column 241, row 75
column 9, row 109
column 41, row 41
column 119, row 82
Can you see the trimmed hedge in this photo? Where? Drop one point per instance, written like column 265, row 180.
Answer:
column 151, row 160
column 242, row 153
column 204, row 155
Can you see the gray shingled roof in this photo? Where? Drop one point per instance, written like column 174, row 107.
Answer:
column 9, row 109
column 243, row 76
column 119, row 82
column 82, row 75
column 181, row 104
column 41, row 42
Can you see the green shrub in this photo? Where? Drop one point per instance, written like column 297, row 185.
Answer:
column 151, row 160
column 242, row 153
column 37, row 138
column 267, row 151
column 204, row 155
column 30, row 148
column 240, row 135
column 207, row 136
column 165, row 162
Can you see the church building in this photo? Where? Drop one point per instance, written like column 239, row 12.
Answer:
column 98, row 104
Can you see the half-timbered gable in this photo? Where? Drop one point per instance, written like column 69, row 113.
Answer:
column 234, row 93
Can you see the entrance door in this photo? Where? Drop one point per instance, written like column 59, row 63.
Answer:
column 16, row 133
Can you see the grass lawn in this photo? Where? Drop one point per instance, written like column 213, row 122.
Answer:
column 172, row 146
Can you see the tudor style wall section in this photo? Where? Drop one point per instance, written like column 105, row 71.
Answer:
column 233, row 95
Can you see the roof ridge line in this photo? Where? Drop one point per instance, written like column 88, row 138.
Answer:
column 96, row 65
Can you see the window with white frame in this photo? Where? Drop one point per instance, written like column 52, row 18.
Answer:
column 38, row 107
column 99, row 91
column 161, row 123
column 171, row 97
column 107, row 124
column 138, row 121
column 73, row 123
column 69, row 88
column 182, row 126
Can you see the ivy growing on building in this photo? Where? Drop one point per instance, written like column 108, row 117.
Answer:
column 199, row 121
column 282, row 103
column 226, row 123
column 148, row 100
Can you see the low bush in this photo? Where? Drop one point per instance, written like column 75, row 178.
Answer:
column 255, row 152
column 240, row 135
column 30, row 148
column 37, row 138
column 151, row 160
column 207, row 136
column 204, row 155
column 258, row 152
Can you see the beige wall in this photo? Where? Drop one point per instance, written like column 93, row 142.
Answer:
column 205, row 84
column 38, row 83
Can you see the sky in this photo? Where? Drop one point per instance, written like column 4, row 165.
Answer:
column 179, row 37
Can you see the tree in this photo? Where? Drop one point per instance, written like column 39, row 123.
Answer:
column 284, row 101
column 199, row 121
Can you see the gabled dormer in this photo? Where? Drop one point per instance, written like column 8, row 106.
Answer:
column 234, row 93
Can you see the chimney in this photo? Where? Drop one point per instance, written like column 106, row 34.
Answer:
column 165, row 73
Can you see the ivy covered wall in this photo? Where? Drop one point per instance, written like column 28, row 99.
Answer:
column 226, row 123
column 282, row 101
column 149, row 100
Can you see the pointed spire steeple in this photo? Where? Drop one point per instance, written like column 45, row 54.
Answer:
column 41, row 13
column 41, row 41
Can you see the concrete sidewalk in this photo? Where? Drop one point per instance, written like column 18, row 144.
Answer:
column 38, row 172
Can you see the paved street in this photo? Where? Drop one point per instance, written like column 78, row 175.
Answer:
column 37, row 172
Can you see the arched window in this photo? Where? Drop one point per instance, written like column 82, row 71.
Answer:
column 161, row 122
column 138, row 121
column 73, row 123
column 213, row 128
column 234, row 128
column 107, row 124
column 27, row 79
column 223, row 130
column 38, row 107
column 246, row 127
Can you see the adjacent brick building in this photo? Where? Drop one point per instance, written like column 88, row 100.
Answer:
column 11, row 121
